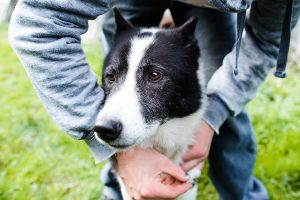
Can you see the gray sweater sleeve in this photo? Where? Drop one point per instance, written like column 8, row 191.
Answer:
column 46, row 37
column 227, row 93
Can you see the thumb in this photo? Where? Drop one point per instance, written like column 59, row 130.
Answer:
column 174, row 170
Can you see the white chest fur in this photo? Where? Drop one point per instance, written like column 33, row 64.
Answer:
column 173, row 137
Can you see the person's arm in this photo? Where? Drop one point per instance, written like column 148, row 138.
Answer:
column 46, row 37
column 227, row 93
column 226, row 6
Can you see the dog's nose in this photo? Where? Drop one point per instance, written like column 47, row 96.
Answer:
column 109, row 131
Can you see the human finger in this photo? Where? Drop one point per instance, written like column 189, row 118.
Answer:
column 187, row 166
column 167, row 191
column 174, row 170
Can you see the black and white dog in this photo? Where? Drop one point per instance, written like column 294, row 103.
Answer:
column 154, row 90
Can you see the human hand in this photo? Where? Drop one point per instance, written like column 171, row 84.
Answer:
column 148, row 174
column 198, row 152
column 167, row 22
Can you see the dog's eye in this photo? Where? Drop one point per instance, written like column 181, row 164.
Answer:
column 111, row 77
column 154, row 76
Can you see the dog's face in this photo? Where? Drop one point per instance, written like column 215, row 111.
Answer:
column 149, row 77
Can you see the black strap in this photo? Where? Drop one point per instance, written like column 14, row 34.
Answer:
column 284, row 41
column 241, row 16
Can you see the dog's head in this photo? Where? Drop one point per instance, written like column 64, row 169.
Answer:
column 149, row 77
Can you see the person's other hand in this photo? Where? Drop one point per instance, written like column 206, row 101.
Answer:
column 148, row 174
column 198, row 152
column 167, row 22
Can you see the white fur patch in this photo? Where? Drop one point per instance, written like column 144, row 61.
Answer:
column 173, row 137
column 151, row 30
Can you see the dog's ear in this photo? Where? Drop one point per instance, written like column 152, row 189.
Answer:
column 188, row 28
column 121, row 23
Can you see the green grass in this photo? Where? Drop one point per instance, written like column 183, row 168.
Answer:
column 39, row 161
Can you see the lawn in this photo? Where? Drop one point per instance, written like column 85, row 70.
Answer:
column 39, row 161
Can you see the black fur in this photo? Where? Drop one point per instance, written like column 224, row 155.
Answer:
column 178, row 93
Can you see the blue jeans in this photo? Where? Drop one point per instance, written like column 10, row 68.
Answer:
column 233, row 151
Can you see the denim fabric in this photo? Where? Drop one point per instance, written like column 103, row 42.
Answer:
column 111, row 189
column 233, row 151
column 231, row 161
